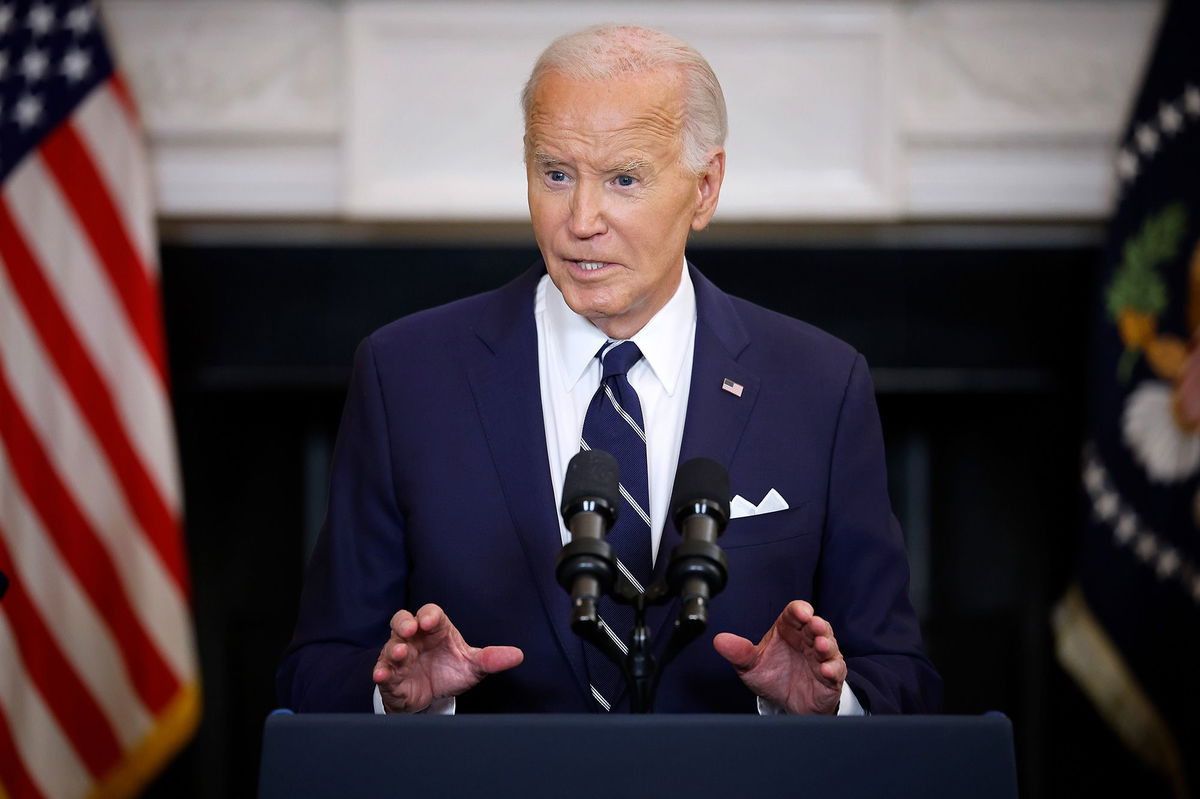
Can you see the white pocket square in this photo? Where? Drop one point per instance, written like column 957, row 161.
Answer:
column 739, row 506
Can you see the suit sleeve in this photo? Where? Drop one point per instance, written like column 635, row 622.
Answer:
column 862, row 586
column 356, row 579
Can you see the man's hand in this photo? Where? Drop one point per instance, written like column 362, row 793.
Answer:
column 797, row 665
column 426, row 659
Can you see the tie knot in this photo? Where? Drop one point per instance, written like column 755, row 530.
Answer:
column 619, row 359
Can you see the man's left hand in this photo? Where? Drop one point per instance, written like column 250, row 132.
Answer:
column 797, row 665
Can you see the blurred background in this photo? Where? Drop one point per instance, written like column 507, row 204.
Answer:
column 930, row 180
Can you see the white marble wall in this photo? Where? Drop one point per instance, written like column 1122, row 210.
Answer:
column 887, row 110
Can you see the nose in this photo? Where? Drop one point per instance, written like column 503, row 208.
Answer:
column 587, row 210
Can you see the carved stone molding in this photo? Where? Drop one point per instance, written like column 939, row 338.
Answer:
column 874, row 110
column 808, row 90
column 212, row 70
column 1021, row 70
column 1012, row 109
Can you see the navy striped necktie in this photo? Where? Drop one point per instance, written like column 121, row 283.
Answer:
column 614, row 424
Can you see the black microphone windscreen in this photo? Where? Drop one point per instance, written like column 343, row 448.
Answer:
column 700, row 479
column 592, row 474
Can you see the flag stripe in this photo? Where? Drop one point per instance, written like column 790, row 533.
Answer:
column 80, row 182
column 49, row 759
column 15, row 781
column 78, row 460
column 91, row 394
column 55, row 677
column 120, row 90
column 115, row 144
column 90, row 562
column 77, row 629
column 87, row 298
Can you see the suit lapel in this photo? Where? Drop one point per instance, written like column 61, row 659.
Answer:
column 716, row 418
column 504, row 379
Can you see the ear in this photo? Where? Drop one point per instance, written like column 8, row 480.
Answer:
column 708, row 188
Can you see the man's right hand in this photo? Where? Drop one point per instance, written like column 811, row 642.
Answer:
column 426, row 659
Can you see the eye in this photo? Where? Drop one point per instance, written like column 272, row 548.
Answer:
column 555, row 176
column 626, row 180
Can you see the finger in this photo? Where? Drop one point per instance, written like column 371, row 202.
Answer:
column 816, row 630
column 799, row 612
column 818, row 626
column 404, row 624
column 430, row 617
column 390, row 658
column 826, row 647
column 736, row 649
column 834, row 670
column 491, row 659
column 793, row 624
column 392, row 655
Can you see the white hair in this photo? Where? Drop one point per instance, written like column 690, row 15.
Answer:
column 603, row 52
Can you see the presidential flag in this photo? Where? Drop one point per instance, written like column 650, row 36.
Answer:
column 98, row 677
column 1128, row 630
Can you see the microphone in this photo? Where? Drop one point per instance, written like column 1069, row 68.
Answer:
column 591, row 498
column 698, row 568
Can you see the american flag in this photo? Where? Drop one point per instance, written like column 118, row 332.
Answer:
column 98, row 677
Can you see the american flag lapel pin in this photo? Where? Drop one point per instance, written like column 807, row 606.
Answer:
column 732, row 387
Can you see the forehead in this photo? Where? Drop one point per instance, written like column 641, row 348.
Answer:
column 643, row 111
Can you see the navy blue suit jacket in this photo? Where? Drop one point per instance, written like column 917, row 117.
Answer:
column 441, row 493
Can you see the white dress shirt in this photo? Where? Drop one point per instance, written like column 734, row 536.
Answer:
column 569, row 374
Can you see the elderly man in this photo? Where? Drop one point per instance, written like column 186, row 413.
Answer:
column 433, row 585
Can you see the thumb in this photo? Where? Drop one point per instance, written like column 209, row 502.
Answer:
column 492, row 659
column 736, row 649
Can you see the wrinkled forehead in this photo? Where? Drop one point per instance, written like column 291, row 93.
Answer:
column 640, row 104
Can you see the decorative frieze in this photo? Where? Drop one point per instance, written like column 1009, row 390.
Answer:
column 854, row 110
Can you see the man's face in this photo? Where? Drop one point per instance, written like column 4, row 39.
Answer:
column 610, row 201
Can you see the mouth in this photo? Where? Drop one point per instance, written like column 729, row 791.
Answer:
column 589, row 266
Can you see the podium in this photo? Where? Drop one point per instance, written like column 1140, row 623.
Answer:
column 321, row 756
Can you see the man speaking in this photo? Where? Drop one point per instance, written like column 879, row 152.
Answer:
column 432, row 587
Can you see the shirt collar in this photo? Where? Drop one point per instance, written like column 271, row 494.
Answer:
column 664, row 340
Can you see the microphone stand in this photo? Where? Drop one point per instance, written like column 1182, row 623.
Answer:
column 638, row 666
column 641, row 669
column 586, row 565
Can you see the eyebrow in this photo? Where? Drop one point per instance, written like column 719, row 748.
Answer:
column 629, row 165
column 545, row 159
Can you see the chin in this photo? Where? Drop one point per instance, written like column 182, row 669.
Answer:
column 587, row 303
column 587, row 311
